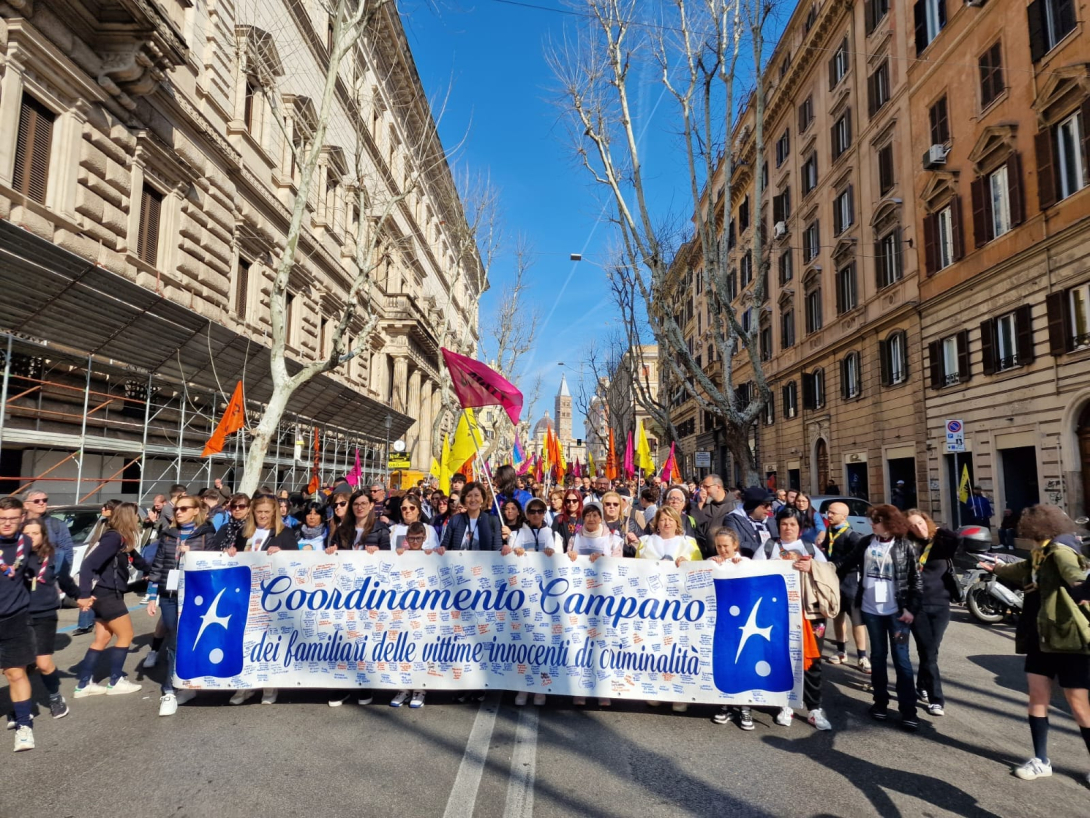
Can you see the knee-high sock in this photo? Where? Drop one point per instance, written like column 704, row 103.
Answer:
column 23, row 714
column 1038, row 728
column 117, row 663
column 1086, row 736
column 87, row 666
column 52, row 682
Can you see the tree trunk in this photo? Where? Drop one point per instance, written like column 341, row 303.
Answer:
column 738, row 444
column 262, row 435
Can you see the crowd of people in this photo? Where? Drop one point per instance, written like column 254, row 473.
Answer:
column 890, row 588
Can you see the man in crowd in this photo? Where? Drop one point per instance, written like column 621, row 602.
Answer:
column 378, row 497
column 37, row 504
column 713, row 513
column 749, row 523
column 601, row 486
column 176, row 491
column 982, row 508
column 839, row 543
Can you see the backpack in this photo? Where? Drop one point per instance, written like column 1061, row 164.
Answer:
column 769, row 542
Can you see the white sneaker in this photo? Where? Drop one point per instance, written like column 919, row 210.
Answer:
column 12, row 723
column 400, row 699
column 150, row 661
column 785, row 717
column 521, row 698
column 679, row 707
column 337, row 701
column 184, row 696
column 418, row 699
column 90, row 689
column 24, row 739
column 268, row 695
column 818, row 720
column 241, row 696
column 539, row 700
column 936, row 710
column 121, row 687
column 168, row 705
column 1034, row 768
column 365, row 699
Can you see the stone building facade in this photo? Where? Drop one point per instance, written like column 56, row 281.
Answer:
column 1000, row 108
column 153, row 140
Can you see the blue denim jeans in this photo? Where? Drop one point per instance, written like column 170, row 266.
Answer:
column 168, row 608
column 1006, row 537
column 887, row 633
column 86, row 619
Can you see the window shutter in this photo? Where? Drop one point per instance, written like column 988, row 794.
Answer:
column 147, row 241
column 1086, row 133
column 847, row 128
column 851, row 205
column 1046, row 168
column 832, row 72
column 955, row 223
column 920, row 18
column 834, row 142
column 868, row 16
column 981, row 233
column 1037, row 43
column 965, row 371
column 879, row 266
column 1014, row 188
column 934, row 354
column 807, row 391
column 870, row 94
column 942, row 13
column 904, row 354
column 987, row 346
column 242, row 287
column 844, row 378
column 885, row 364
column 929, row 244
column 1059, row 323
column 1023, row 325
column 32, row 148
column 786, row 404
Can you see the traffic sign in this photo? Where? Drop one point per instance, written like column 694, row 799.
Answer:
column 398, row 460
column 955, row 436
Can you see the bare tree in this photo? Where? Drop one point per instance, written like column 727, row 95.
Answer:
column 374, row 191
column 695, row 47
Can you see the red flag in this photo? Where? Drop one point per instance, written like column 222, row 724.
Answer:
column 669, row 468
column 234, row 418
column 477, row 385
column 314, row 483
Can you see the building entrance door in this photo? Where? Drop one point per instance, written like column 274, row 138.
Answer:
column 1020, row 487
column 821, row 462
column 1083, row 433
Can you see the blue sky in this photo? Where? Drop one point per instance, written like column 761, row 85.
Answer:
column 491, row 56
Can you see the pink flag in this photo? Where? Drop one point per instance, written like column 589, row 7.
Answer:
column 629, row 459
column 353, row 477
column 669, row 468
column 477, row 385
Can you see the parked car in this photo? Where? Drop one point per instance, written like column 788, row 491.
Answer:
column 858, row 511
column 81, row 520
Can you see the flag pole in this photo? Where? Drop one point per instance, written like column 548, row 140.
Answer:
column 484, row 466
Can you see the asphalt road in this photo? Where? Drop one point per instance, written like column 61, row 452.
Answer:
column 115, row 756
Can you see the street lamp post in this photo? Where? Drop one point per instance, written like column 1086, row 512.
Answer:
column 389, row 423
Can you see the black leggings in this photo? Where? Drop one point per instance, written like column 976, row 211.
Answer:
column 928, row 628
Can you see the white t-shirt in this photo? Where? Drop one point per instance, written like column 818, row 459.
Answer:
column 606, row 543
column 258, row 540
column 796, row 547
column 879, row 592
column 398, row 532
column 312, row 544
column 545, row 538
column 654, row 547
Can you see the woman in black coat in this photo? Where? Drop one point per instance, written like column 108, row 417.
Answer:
column 474, row 529
column 359, row 529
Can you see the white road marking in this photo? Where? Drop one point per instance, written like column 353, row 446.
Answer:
column 463, row 795
column 520, row 787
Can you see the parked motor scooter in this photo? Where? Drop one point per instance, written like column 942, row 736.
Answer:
column 988, row 600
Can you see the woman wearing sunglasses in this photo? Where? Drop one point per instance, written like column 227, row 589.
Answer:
column 625, row 526
column 440, row 505
column 567, row 522
column 238, row 508
column 411, row 512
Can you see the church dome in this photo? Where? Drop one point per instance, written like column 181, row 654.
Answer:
column 542, row 425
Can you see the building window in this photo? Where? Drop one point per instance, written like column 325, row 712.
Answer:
column 746, row 267
column 1049, row 22
column 289, row 319
column 787, row 329
column 1007, row 341
column 783, row 147
column 886, row 177
column 33, row 146
column 838, row 65
column 894, row 358
column 813, row 310
column 811, row 242
column 809, row 174
column 949, row 360
column 747, row 320
column 1063, row 154
column 845, row 289
column 940, row 122
column 781, row 207
column 790, row 395
column 1069, row 158
column 942, row 236
column 249, row 101
column 242, row 288
column 843, row 211
column 766, row 343
column 811, row 17
column 743, row 215
column 1000, row 201
column 842, row 134
column 930, row 19
column 1069, row 319
column 878, row 90
column 147, row 237
column 786, row 267
column 991, row 75
column 945, row 222
column 887, row 251
column 875, row 11
column 1080, row 316
column 813, row 389
column 806, row 113
column 997, row 201
column 732, row 284
column 770, row 411
column 851, row 382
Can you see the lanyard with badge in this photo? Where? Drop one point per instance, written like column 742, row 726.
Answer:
column 881, row 589
column 833, row 535
column 471, row 532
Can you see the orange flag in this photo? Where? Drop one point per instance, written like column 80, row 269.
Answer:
column 611, row 461
column 315, row 482
column 234, row 418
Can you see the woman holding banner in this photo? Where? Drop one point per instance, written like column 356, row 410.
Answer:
column 512, row 520
column 360, row 529
column 411, row 512
column 567, row 522
column 620, row 524
column 474, row 529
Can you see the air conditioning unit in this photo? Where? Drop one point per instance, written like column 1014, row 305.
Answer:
column 935, row 156
column 780, row 230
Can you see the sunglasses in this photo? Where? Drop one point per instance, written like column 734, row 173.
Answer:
column 341, row 504
column 408, row 508
column 185, row 508
column 572, row 501
column 536, row 511
column 39, row 500
column 240, row 506
column 611, row 505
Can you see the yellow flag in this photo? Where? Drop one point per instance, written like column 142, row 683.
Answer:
column 467, row 438
column 963, row 488
column 434, row 471
column 644, row 461
column 590, row 465
column 444, row 466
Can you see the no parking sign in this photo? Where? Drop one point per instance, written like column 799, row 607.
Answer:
column 955, row 436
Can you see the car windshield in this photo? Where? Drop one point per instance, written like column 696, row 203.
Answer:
column 856, row 507
column 80, row 523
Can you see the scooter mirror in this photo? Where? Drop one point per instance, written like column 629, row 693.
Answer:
column 1082, row 520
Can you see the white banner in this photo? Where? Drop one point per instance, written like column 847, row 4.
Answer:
column 616, row 628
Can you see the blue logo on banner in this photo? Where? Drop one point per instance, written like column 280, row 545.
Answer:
column 213, row 623
column 751, row 650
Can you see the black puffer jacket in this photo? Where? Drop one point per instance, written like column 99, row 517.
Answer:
column 166, row 558
column 907, row 582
